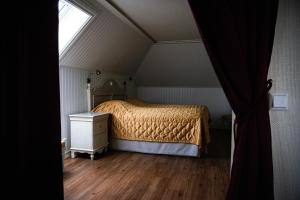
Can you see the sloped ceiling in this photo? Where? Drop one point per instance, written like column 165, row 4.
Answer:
column 113, row 43
column 107, row 44
column 177, row 65
column 163, row 20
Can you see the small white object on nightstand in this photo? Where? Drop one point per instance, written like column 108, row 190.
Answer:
column 88, row 133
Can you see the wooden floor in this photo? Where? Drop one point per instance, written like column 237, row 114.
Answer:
column 125, row 175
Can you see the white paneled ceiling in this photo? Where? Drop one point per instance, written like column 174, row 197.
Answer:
column 107, row 44
column 177, row 65
column 113, row 43
column 163, row 20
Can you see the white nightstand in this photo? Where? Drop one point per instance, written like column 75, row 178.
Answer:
column 88, row 133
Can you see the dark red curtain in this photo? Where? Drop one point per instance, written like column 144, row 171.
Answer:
column 238, row 36
column 31, row 165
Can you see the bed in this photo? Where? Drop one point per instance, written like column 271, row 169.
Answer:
column 152, row 128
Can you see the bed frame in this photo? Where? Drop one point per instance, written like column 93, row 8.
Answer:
column 112, row 91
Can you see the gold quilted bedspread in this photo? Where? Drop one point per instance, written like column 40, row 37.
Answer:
column 136, row 120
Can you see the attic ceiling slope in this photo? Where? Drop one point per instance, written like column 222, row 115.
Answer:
column 163, row 20
column 107, row 44
column 177, row 65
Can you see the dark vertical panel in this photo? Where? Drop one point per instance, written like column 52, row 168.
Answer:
column 30, row 108
column 238, row 36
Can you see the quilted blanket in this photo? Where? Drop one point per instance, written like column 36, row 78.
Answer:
column 137, row 120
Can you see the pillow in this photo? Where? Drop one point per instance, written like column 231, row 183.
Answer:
column 136, row 102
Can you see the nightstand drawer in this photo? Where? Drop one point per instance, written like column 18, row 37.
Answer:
column 99, row 127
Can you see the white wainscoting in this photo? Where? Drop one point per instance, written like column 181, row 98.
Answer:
column 73, row 94
column 73, row 98
column 213, row 98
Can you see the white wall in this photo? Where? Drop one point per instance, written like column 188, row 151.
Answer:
column 73, row 94
column 177, row 64
column 285, row 125
column 98, row 81
column 73, row 98
column 181, row 72
column 213, row 98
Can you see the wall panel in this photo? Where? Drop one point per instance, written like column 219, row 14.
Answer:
column 285, row 125
column 73, row 94
column 214, row 98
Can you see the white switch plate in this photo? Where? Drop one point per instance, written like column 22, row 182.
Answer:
column 279, row 101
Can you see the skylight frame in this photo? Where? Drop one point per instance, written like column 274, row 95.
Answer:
column 87, row 8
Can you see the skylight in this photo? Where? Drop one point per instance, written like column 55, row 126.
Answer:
column 72, row 20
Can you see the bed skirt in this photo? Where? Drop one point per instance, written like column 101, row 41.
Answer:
column 178, row 149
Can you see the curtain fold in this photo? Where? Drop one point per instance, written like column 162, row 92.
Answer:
column 31, row 164
column 238, row 36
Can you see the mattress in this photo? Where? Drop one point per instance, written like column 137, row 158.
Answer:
column 135, row 120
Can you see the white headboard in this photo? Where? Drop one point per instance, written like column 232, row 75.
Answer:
column 110, row 90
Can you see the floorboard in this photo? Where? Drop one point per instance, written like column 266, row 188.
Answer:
column 120, row 175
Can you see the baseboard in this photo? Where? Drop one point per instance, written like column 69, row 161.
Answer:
column 67, row 154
